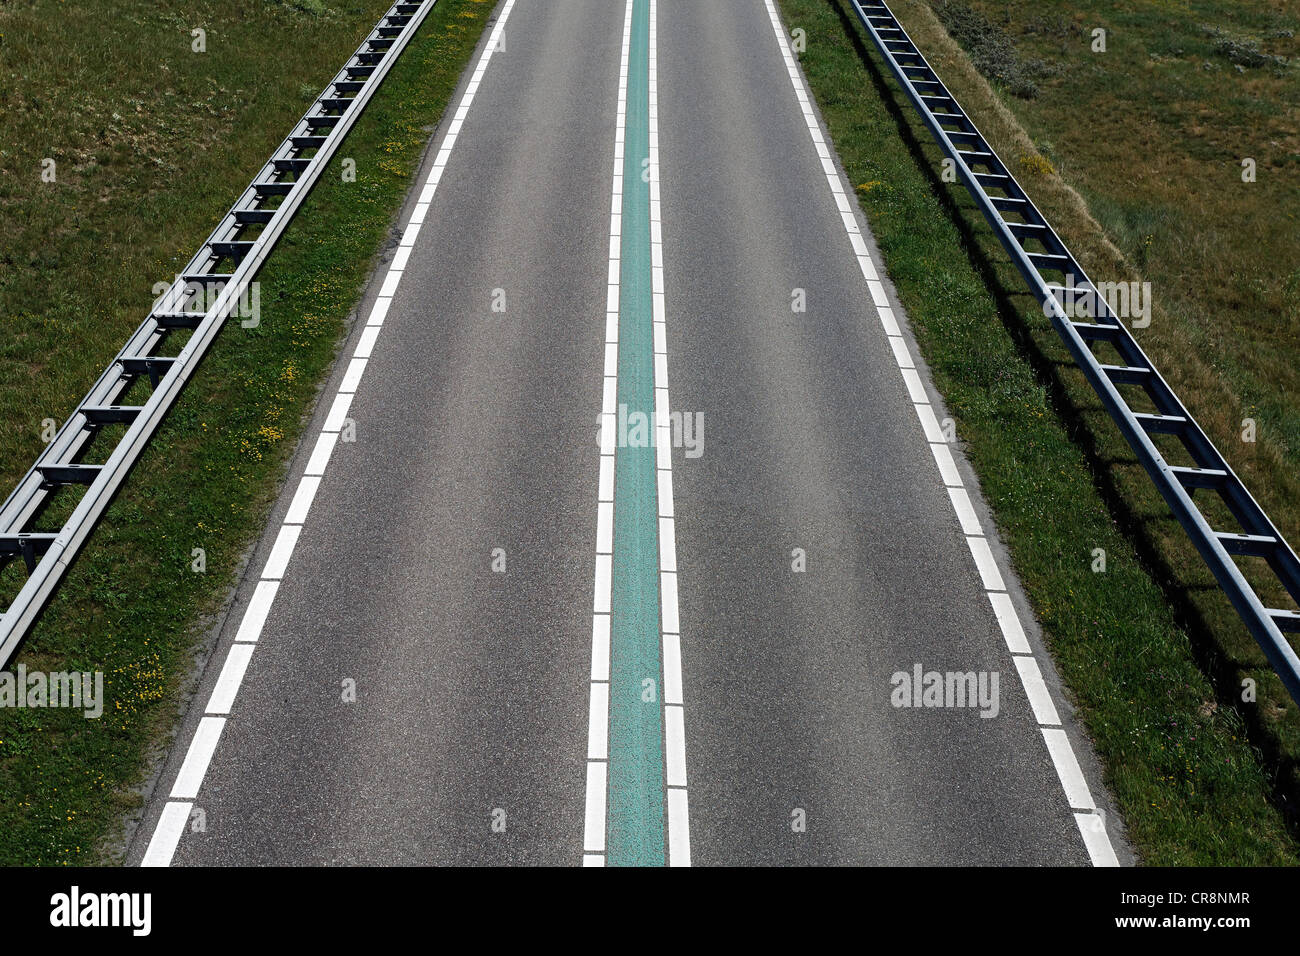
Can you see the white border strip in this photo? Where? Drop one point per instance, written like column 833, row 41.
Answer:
column 1090, row 822
column 593, row 838
column 679, row 830
column 171, row 824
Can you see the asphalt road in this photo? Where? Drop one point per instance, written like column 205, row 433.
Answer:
column 476, row 444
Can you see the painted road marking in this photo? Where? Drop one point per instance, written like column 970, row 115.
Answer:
column 195, row 766
column 167, row 834
column 594, row 823
column 171, row 823
column 679, row 830
column 635, row 811
column 1091, row 825
column 250, row 628
column 302, row 500
column 232, row 675
column 285, row 542
column 635, row 619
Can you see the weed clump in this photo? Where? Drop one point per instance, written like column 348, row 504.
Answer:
column 1244, row 52
column 1035, row 165
column 991, row 50
column 315, row 8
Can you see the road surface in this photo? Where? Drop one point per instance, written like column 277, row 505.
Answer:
column 481, row 629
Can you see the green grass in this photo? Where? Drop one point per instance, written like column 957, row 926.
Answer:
column 1144, row 648
column 1191, row 88
column 991, row 51
column 1184, row 91
column 142, row 130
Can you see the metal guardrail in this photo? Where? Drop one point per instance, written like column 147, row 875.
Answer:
column 225, row 264
column 1036, row 249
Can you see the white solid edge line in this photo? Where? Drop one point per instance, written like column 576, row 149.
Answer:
column 665, row 492
column 1092, row 827
column 600, row 647
column 605, row 527
column 947, row 465
column 675, row 745
column 668, row 596
column 667, row 544
column 598, row 722
column 167, row 834
column 606, row 485
column 366, row 344
column 380, row 309
column 604, row 582
column 593, row 840
column 394, row 276
column 195, row 765
column 984, row 562
column 929, row 423
column 250, row 628
column 1067, row 769
column 352, row 377
column 679, row 830
column 1040, row 699
column 302, row 499
column 232, row 675
column 672, row 668
column 285, row 542
column 338, row 412
column 1009, row 621
column 902, row 357
column 915, row 390
column 320, row 455
column 970, row 524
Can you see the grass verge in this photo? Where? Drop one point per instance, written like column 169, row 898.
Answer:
column 1149, row 649
column 143, row 133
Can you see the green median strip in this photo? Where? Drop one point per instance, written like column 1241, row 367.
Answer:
column 636, row 734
